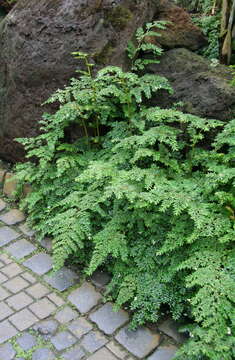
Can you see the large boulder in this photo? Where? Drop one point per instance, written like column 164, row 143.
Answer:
column 36, row 41
column 181, row 31
column 204, row 89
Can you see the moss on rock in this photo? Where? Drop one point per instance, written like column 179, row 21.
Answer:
column 119, row 17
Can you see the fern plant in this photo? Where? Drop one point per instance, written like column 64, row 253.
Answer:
column 142, row 195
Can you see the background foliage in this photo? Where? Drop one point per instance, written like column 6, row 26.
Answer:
column 147, row 193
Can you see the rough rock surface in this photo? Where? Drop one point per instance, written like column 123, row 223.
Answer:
column 181, row 31
column 205, row 90
column 36, row 41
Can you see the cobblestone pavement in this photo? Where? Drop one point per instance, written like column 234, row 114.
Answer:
column 47, row 316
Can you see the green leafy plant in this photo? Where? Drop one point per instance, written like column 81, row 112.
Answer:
column 143, row 46
column 147, row 193
column 210, row 25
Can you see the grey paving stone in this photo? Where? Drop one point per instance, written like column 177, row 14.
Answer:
column 140, row 342
column 40, row 263
column 27, row 276
column 116, row 350
column 100, row 278
column 23, row 319
column 27, row 341
column 2, row 205
column 3, row 278
column 56, row 299
column 5, row 311
column 12, row 217
column 12, row 270
column 1, row 264
column 38, row 291
column 7, row 352
column 84, row 298
column 3, row 293
column 65, row 315
column 15, row 285
column 102, row 354
column 43, row 354
column 42, row 308
column 74, row 354
column 5, row 258
column 21, row 249
column 26, row 230
column 7, row 235
column 46, row 327
column 166, row 352
column 63, row 340
column 80, row 327
column 19, row 301
column 170, row 328
column 7, row 331
column 46, row 243
column 107, row 320
column 62, row 279
column 93, row 341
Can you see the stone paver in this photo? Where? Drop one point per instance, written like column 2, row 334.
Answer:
column 6, row 259
column 103, row 354
column 43, row 354
column 170, row 328
column 26, row 341
column 56, row 299
column 80, row 327
column 7, row 235
column 21, row 249
column 39, row 263
column 12, row 217
column 7, row 331
column 85, row 298
column 42, row 308
column 62, row 279
column 27, row 276
column 93, row 341
column 7, row 352
column 164, row 353
column 63, row 340
column 12, row 270
column 25, row 229
column 140, row 342
column 3, row 278
column 74, row 354
column 15, row 285
column 100, row 279
column 46, row 327
column 107, row 320
column 38, row 291
column 3, row 293
column 19, row 301
column 65, row 315
column 61, row 323
column 5, row 311
column 116, row 350
column 23, row 319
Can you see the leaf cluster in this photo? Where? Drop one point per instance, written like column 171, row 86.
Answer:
column 147, row 193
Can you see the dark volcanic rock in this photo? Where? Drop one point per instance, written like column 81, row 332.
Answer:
column 38, row 36
column 36, row 41
column 181, row 31
column 204, row 89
